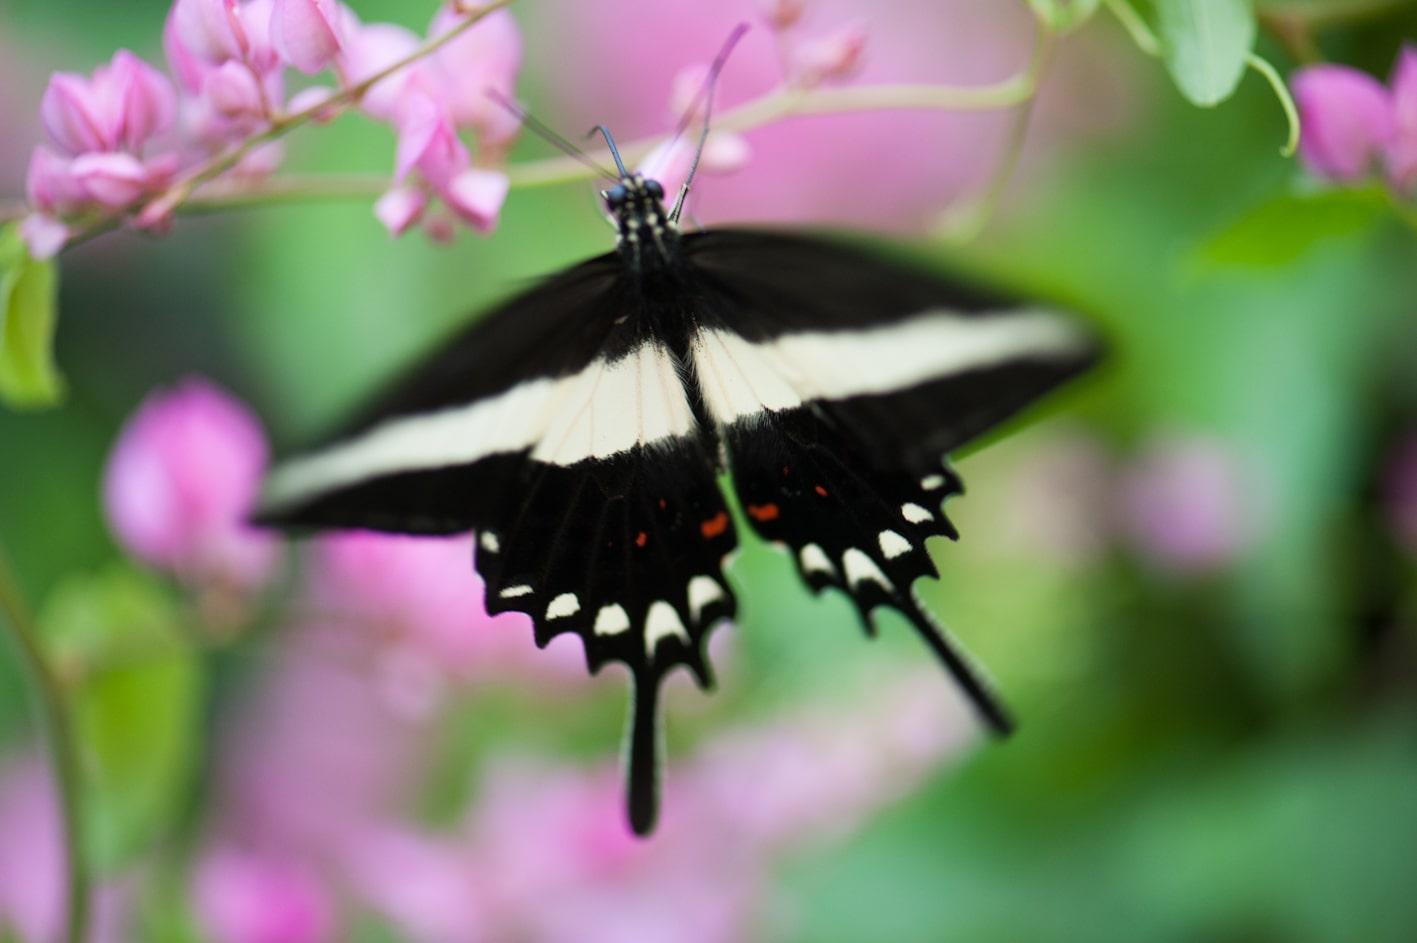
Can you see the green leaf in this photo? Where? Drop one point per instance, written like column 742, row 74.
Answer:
column 136, row 690
column 1060, row 16
column 1205, row 44
column 1283, row 228
column 28, row 290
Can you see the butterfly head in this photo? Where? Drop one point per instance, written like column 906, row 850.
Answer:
column 647, row 236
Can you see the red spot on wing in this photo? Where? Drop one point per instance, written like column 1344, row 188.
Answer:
column 714, row 526
column 641, row 539
column 821, row 491
column 763, row 512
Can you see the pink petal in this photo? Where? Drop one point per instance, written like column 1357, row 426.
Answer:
column 400, row 208
column 367, row 51
column 1347, row 118
column 233, row 91
column 210, row 31
column 1402, row 152
column 781, row 14
column 248, row 897
column 427, row 141
column 477, row 197
column 51, row 185
column 146, row 100
column 43, row 235
column 112, row 180
column 486, row 56
column 725, row 152
column 68, row 112
column 303, row 33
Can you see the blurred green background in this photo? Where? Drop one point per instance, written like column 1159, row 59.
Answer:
column 1223, row 752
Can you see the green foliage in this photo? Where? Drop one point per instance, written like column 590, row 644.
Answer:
column 1205, row 44
column 136, row 689
column 28, row 291
column 1063, row 15
column 1284, row 227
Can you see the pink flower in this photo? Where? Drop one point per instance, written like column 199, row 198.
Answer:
column 51, row 185
column 119, row 108
column 609, row 74
column 180, row 480
column 242, row 896
column 43, row 235
column 209, row 31
column 428, row 142
column 1347, row 120
column 305, row 32
column 423, row 594
column 1188, row 506
column 486, row 56
column 1402, row 154
column 834, row 56
column 400, row 209
column 367, row 51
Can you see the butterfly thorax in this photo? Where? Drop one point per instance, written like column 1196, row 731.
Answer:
column 648, row 238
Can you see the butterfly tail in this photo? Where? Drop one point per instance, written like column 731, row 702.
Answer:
column 981, row 695
column 644, row 759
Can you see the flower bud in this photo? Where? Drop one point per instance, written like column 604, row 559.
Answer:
column 43, row 235
column 113, row 181
column 209, row 31
column 1346, row 116
column 51, row 186
column 233, row 91
column 834, row 56
column 119, row 107
column 781, row 14
column 488, row 55
column 476, row 196
column 305, row 33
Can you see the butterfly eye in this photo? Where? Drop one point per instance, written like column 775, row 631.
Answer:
column 615, row 196
column 653, row 188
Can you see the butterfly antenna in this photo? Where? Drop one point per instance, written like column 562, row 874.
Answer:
column 705, row 93
column 610, row 143
column 551, row 137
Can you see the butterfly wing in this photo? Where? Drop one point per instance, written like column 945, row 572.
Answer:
column 840, row 382
column 559, row 429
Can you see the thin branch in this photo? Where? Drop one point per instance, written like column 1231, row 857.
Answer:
column 63, row 750
column 1286, row 101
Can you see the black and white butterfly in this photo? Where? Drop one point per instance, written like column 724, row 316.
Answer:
column 579, row 430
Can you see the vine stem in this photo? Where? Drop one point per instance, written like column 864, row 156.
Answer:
column 63, row 749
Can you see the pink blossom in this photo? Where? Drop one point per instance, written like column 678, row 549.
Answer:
column 51, row 185
column 424, row 594
column 1347, row 120
column 111, row 180
column 781, row 14
column 119, row 108
column 486, row 56
column 209, row 31
column 233, row 91
column 400, row 209
column 1188, row 505
column 180, row 481
column 43, row 235
column 608, row 74
column 305, row 32
column 242, row 896
column 367, row 51
column 1402, row 153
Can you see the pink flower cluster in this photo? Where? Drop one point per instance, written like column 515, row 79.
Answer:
column 123, row 141
column 1353, row 124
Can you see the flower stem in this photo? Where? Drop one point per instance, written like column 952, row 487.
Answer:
column 63, row 750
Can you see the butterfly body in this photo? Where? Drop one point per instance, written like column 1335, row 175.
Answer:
column 581, row 428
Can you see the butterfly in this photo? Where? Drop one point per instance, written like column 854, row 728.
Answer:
column 580, row 428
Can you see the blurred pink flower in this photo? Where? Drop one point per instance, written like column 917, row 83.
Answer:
column 179, row 482
column 243, row 896
column 31, row 857
column 823, row 168
column 316, row 757
column 1060, row 499
column 305, row 33
column 423, row 595
column 835, row 56
column 119, row 108
column 1188, row 504
column 1347, row 120
column 544, row 856
column 1400, row 492
column 487, row 56
column 1402, row 154
column 32, row 863
column 208, row 31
